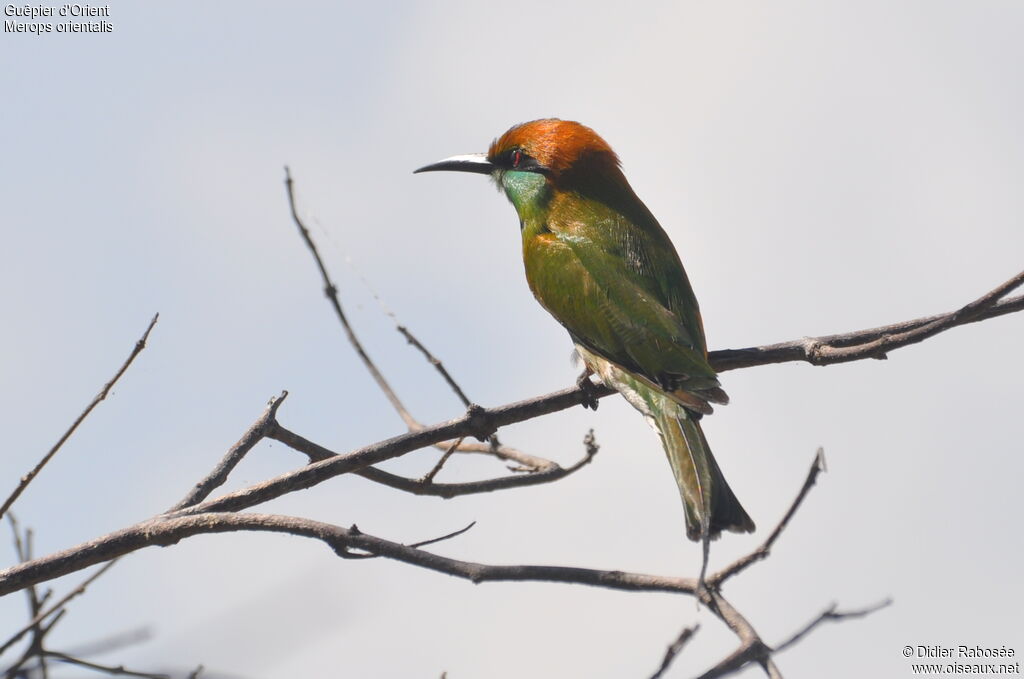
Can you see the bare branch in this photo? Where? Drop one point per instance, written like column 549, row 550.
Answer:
column 118, row 670
column 32, row 650
column 428, row 478
column 195, row 514
column 331, row 291
column 751, row 648
column 423, row 543
column 23, row 550
column 256, row 433
column 494, row 448
column 201, row 490
column 830, row 614
column 802, row 350
column 27, row 478
column 545, row 472
column 479, row 422
column 761, row 553
column 450, row 490
column 352, row 543
column 873, row 342
column 436, row 362
column 168, row 529
column 411, row 422
column 674, row 648
column 56, row 607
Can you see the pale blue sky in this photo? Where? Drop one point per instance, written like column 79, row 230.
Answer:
column 821, row 167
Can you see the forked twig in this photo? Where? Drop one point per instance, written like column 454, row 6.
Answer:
column 830, row 614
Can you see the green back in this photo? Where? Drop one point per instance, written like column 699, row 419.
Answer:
column 597, row 259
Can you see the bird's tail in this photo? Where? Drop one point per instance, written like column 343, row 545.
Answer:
column 708, row 501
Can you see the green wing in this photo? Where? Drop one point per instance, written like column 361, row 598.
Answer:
column 618, row 287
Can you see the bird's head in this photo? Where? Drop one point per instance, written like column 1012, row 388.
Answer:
column 533, row 159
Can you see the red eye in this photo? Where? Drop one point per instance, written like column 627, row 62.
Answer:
column 517, row 156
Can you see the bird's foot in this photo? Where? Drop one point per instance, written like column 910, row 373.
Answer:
column 589, row 389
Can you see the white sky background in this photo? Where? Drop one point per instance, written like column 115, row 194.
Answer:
column 821, row 167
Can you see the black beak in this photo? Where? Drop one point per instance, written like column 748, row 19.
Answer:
column 473, row 162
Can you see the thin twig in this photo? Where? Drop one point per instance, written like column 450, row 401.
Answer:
column 331, row 291
column 450, row 490
column 753, row 650
column 436, row 362
column 761, row 553
column 674, row 648
column 23, row 550
column 431, row 541
column 428, row 478
column 115, row 670
column 494, row 448
column 830, row 614
column 27, row 478
column 56, row 607
column 32, row 650
column 200, row 491
column 34, row 605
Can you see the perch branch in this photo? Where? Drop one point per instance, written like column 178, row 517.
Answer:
column 873, row 342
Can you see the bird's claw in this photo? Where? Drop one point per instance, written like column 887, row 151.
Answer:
column 589, row 390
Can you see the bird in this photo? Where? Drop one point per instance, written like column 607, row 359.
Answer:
column 600, row 263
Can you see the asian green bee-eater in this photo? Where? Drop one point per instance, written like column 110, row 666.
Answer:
column 600, row 263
